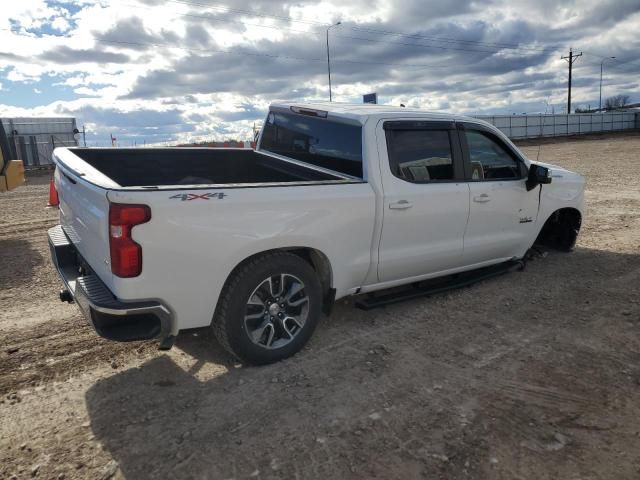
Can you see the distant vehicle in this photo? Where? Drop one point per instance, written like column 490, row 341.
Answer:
column 337, row 200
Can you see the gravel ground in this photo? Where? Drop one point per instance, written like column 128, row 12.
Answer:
column 532, row 375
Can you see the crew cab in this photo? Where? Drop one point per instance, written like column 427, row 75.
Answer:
column 336, row 200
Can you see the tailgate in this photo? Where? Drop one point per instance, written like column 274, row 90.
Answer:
column 84, row 216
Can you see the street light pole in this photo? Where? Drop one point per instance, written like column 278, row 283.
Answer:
column 328, row 58
column 601, row 64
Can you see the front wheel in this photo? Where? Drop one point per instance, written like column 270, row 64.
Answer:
column 269, row 308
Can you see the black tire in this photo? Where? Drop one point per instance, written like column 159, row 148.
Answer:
column 567, row 237
column 229, row 319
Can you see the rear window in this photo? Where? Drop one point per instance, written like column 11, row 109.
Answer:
column 318, row 141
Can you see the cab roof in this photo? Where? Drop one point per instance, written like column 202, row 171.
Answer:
column 364, row 111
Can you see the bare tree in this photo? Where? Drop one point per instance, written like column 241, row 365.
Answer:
column 617, row 101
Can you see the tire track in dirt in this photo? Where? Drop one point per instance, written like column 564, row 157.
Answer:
column 25, row 227
column 535, row 371
column 54, row 351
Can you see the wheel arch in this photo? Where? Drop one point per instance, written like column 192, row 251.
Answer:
column 317, row 259
column 560, row 229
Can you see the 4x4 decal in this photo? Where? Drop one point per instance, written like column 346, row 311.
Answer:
column 187, row 197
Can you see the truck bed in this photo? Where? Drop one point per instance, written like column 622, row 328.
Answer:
column 131, row 167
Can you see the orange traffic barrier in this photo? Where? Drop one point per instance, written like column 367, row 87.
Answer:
column 53, row 195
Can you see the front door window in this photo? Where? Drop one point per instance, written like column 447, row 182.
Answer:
column 489, row 159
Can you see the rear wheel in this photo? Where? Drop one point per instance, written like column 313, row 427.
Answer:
column 269, row 308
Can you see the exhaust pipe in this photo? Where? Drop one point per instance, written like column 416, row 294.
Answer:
column 65, row 296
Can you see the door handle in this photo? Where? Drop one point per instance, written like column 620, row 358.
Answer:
column 400, row 205
column 484, row 198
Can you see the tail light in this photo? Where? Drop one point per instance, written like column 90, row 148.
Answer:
column 126, row 255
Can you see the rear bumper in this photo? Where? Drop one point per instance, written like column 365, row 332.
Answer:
column 111, row 318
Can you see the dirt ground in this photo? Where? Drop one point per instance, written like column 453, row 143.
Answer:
column 532, row 375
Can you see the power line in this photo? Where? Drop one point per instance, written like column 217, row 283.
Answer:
column 615, row 63
column 337, row 34
column 419, row 45
column 226, row 9
column 508, row 46
column 284, row 57
column 363, row 29
column 618, row 63
column 437, row 47
column 256, row 54
column 287, row 57
column 318, row 34
column 496, row 46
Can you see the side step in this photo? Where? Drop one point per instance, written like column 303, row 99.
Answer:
column 432, row 287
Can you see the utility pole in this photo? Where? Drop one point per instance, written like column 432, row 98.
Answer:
column 571, row 58
column 84, row 136
column 328, row 58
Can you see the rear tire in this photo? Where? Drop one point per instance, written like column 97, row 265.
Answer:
column 269, row 308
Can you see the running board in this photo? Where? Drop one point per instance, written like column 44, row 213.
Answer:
column 432, row 287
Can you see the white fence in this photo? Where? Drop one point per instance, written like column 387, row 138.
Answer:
column 541, row 125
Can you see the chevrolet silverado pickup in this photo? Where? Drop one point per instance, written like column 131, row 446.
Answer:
column 336, row 200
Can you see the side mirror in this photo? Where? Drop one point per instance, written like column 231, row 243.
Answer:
column 538, row 175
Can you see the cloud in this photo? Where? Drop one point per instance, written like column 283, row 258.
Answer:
column 60, row 24
column 181, row 70
column 69, row 56
column 132, row 33
column 8, row 56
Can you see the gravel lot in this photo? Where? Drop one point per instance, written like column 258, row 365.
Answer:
column 530, row 375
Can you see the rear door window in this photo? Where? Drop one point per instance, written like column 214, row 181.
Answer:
column 318, row 141
column 420, row 155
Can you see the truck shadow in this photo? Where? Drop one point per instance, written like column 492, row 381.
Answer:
column 216, row 419
column 201, row 344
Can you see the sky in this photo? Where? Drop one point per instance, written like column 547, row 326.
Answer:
column 150, row 71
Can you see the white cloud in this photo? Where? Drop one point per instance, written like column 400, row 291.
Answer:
column 23, row 75
column 115, row 57
column 60, row 24
column 37, row 91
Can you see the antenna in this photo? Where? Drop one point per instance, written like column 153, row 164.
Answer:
column 542, row 129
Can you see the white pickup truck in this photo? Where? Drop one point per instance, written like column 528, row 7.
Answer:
column 337, row 200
